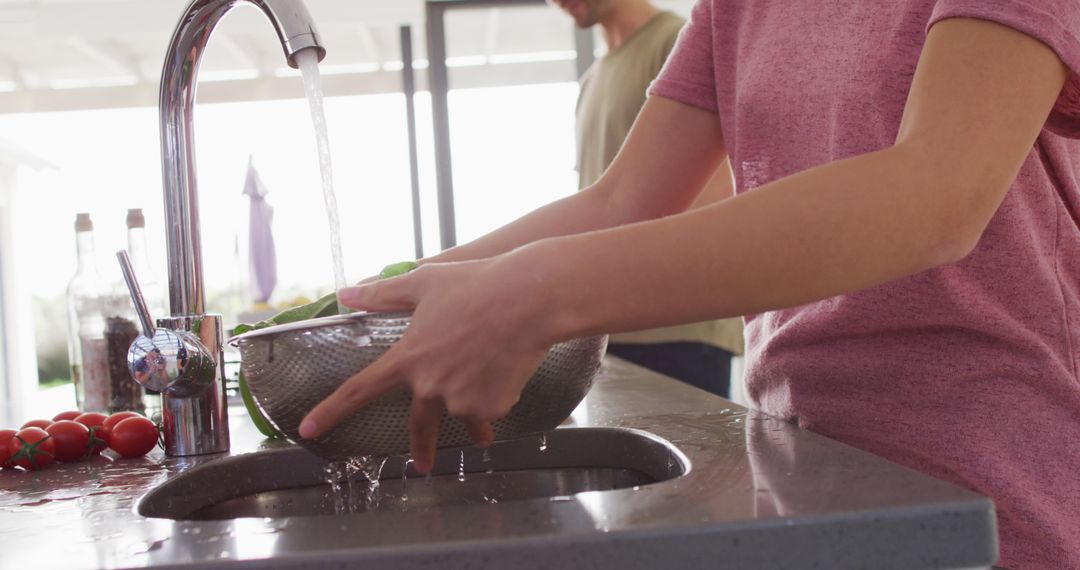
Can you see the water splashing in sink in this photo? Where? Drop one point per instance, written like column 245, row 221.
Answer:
column 308, row 62
column 337, row 477
column 461, row 468
column 354, row 483
column 371, row 468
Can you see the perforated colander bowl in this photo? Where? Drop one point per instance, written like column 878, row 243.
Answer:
column 292, row 367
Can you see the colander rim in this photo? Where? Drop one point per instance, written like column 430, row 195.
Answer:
column 351, row 318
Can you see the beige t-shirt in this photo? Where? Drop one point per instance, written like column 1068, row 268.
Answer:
column 612, row 93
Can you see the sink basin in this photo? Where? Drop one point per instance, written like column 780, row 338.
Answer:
column 290, row 482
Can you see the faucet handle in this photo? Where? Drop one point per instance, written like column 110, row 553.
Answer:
column 136, row 294
column 173, row 361
column 160, row 358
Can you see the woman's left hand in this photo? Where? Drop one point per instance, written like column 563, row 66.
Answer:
column 478, row 331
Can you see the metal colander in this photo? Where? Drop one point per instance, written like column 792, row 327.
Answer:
column 292, row 367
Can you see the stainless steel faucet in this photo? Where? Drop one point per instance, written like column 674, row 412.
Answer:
column 194, row 415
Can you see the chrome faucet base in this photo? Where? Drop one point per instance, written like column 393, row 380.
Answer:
column 195, row 418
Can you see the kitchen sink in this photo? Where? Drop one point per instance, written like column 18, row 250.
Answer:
column 290, row 481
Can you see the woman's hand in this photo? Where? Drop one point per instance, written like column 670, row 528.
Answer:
column 477, row 334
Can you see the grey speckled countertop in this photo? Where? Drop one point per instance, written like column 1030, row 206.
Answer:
column 760, row 494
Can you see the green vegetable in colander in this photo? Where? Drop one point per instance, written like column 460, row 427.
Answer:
column 399, row 268
column 324, row 307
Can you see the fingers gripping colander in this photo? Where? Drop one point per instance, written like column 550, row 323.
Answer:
column 290, row 368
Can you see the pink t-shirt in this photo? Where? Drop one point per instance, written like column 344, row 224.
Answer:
column 968, row 372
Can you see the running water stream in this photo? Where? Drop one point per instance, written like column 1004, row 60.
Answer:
column 308, row 62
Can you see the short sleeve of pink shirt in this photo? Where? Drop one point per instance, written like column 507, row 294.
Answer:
column 1056, row 23
column 689, row 76
column 970, row 371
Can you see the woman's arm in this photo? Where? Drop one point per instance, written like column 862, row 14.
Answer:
column 671, row 146
column 980, row 96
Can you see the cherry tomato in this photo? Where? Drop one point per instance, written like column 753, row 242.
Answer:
column 6, row 435
column 37, row 423
column 118, row 417
column 91, row 419
column 133, row 437
column 32, row 449
column 68, row 415
column 72, row 440
column 99, row 434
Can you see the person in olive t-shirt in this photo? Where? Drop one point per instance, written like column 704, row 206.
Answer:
column 639, row 37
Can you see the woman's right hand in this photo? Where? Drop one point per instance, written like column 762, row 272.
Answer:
column 478, row 332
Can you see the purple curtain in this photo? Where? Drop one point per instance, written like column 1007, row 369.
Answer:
column 260, row 237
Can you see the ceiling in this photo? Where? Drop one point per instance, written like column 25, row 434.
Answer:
column 78, row 54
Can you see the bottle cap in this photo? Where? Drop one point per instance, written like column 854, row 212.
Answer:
column 135, row 218
column 83, row 223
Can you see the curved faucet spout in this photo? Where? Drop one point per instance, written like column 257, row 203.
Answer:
column 296, row 32
column 293, row 26
column 194, row 417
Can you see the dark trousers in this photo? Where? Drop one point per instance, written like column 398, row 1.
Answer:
column 697, row 364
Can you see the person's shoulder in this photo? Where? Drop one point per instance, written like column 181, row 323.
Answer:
column 668, row 26
column 670, row 21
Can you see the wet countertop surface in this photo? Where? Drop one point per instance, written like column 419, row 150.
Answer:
column 760, row 493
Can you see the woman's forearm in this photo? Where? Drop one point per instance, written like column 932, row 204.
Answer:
column 830, row 230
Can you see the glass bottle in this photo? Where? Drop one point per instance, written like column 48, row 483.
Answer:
column 119, row 330
column 86, row 324
column 153, row 289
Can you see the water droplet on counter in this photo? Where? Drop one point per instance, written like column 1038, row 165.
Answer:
column 543, row 442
